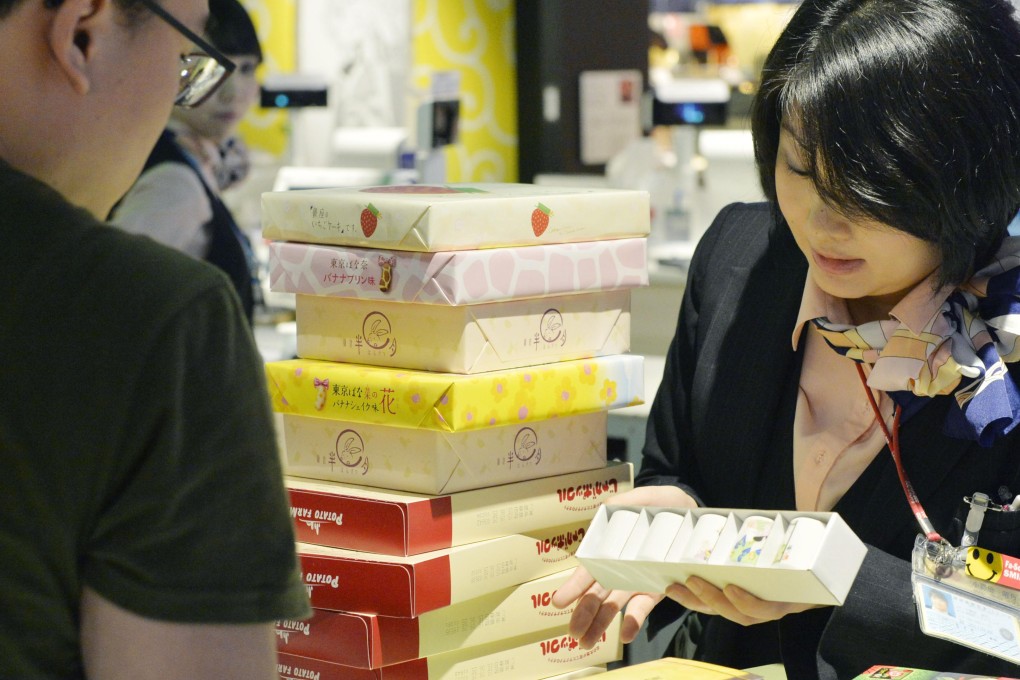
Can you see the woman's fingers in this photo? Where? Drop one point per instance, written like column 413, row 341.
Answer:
column 574, row 587
column 731, row 602
column 637, row 611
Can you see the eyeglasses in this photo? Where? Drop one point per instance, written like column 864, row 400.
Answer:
column 201, row 72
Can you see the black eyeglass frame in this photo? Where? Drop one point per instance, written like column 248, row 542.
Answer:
column 221, row 59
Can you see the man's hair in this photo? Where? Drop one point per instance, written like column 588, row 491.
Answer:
column 231, row 30
column 6, row 6
column 907, row 112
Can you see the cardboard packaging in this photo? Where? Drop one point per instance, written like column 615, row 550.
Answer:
column 370, row 641
column 885, row 672
column 436, row 462
column 368, row 583
column 638, row 553
column 670, row 667
column 464, row 339
column 529, row 656
column 451, row 402
column 454, row 217
column 395, row 523
column 465, row 277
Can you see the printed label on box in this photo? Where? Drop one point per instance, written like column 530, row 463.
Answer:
column 395, row 523
column 451, row 402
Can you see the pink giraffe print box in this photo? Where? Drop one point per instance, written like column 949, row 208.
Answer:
column 465, row 277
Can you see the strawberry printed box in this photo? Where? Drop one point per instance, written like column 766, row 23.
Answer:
column 394, row 523
column 371, row 641
column 429, row 218
column 463, row 277
column 369, row 583
column 537, row 654
column 463, row 339
column 451, row 402
column 437, row 462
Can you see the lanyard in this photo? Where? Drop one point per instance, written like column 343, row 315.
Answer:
column 893, row 440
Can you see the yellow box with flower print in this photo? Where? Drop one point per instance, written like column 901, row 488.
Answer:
column 453, row 402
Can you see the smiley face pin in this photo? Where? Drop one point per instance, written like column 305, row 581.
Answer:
column 985, row 565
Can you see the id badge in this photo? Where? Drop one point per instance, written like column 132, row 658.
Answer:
column 963, row 609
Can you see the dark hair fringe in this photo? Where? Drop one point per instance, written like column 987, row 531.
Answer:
column 230, row 29
column 907, row 112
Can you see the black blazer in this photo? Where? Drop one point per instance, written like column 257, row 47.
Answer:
column 721, row 427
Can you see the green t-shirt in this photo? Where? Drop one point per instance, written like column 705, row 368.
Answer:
column 137, row 455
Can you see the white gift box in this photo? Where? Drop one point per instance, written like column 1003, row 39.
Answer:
column 463, row 339
column 454, row 216
column 819, row 570
column 436, row 462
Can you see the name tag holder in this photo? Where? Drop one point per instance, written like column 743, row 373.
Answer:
column 957, row 600
column 964, row 594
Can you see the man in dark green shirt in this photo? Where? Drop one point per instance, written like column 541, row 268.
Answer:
column 144, row 530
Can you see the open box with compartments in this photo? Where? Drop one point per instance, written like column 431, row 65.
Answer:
column 783, row 556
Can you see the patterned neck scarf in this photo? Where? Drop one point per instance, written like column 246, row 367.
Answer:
column 962, row 350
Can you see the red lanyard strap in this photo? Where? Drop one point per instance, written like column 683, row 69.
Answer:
column 893, row 440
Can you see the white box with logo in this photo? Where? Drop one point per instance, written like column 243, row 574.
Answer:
column 466, row 338
column 437, row 462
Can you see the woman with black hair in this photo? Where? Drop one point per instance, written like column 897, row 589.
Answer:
column 176, row 200
column 887, row 137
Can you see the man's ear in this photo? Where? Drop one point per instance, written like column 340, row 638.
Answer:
column 73, row 34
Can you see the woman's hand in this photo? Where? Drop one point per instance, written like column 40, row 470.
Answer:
column 597, row 607
column 731, row 602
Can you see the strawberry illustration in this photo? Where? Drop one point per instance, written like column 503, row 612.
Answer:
column 540, row 219
column 369, row 220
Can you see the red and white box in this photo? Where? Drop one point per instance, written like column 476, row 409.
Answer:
column 527, row 656
column 465, row 277
column 433, row 218
column 370, row 641
column 437, row 462
column 467, row 338
column 348, row 580
column 396, row 523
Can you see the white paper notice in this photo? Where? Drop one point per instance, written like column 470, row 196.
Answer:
column 610, row 107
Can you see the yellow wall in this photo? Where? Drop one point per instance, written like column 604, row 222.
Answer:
column 473, row 37
column 476, row 38
column 268, row 130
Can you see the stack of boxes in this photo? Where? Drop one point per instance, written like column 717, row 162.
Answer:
column 445, row 426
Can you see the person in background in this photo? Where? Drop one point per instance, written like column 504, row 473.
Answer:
column 870, row 304
column 144, row 526
column 177, row 200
